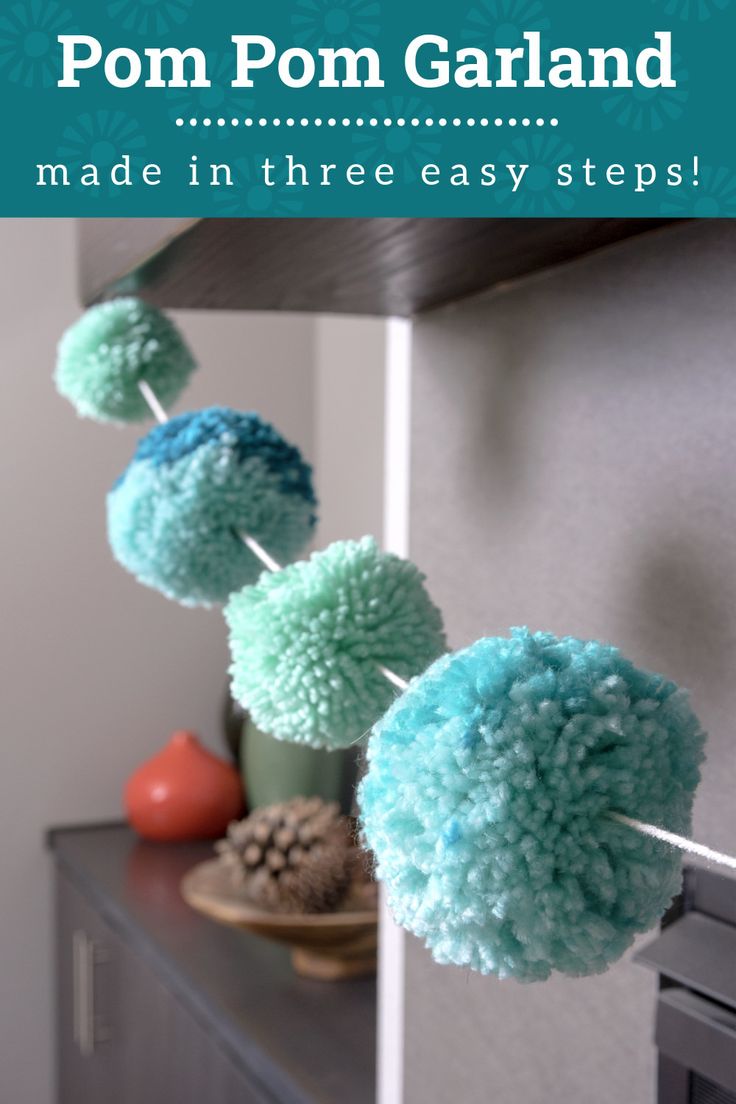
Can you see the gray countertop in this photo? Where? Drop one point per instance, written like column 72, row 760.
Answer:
column 305, row 1042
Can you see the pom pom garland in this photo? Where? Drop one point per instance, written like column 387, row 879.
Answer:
column 307, row 643
column 489, row 795
column 194, row 484
column 505, row 786
column 110, row 350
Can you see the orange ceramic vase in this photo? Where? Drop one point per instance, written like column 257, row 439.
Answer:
column 183, row 793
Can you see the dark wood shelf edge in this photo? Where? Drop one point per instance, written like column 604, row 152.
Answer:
column 383, row 267
column 52, row 833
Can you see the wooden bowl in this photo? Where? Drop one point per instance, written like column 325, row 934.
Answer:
column 328, row 946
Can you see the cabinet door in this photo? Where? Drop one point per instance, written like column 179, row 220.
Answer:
column 164, row 1053
column 85, row 1057
column 123, row 1038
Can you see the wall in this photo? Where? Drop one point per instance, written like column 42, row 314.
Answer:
column 585, row 484
column 350, row 356
column 96, row 670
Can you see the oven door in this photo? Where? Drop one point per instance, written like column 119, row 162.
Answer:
column 695, row 957
column 697, row 1049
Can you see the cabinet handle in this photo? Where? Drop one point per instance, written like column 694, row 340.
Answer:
column 85, row 955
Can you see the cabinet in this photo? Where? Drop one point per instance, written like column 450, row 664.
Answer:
column 123, row 1037
column 155, row 1003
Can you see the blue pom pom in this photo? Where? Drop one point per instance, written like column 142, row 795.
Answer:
column 193, row 485
column 104, row 356
column 486, row 797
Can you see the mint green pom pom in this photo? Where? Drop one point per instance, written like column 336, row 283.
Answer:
column 110, row 349
column 307, row 642
column 486, row 797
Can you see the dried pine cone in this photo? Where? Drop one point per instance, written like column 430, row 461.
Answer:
column 296, row 856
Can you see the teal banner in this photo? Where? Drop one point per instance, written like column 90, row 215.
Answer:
column 528, row 108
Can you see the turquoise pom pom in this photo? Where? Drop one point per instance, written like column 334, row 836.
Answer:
column 193, row 485
column 307, row 642
column 110, row 349
column 486, row 797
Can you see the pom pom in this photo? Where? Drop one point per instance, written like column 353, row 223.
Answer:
column 105, row 354
column 486, row 797
column 193, row 485
column 307, row 642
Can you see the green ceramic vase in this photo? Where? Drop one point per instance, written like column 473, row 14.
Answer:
column 274, row 770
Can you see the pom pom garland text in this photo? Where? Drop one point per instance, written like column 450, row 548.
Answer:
column 429, row 62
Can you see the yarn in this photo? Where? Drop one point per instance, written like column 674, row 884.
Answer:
column 196, row 483
column 487, row 796
column 307, row 643
column 110, row 349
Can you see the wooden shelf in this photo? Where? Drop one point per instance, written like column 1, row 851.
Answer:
column 345, row 266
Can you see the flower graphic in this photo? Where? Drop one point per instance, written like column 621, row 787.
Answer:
column 354, row 23
column 407, row 148
column 692, row 11
column 649, row 109
column 714, row 197
column 28, row 31
column 494, row 23
column 217, row 101
column 100, row 138
column 539, row 194
column 150, row 17
column 251, row 194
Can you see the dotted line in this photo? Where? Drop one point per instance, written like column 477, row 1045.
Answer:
column 371, row 122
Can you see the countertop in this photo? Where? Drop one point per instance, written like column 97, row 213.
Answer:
column 305, row 1042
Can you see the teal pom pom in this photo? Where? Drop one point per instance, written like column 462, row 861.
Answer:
column 110, row 349
column 486, row 797
column 307, row 642
column 193, row 485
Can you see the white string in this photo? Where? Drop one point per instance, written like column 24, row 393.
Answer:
column 397, row 680
column 259, row 551
column 680, row 842
column 152, row 399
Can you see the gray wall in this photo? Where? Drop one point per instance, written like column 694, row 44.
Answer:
column 349, row 396
column 573, row 470
column 95, row 670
